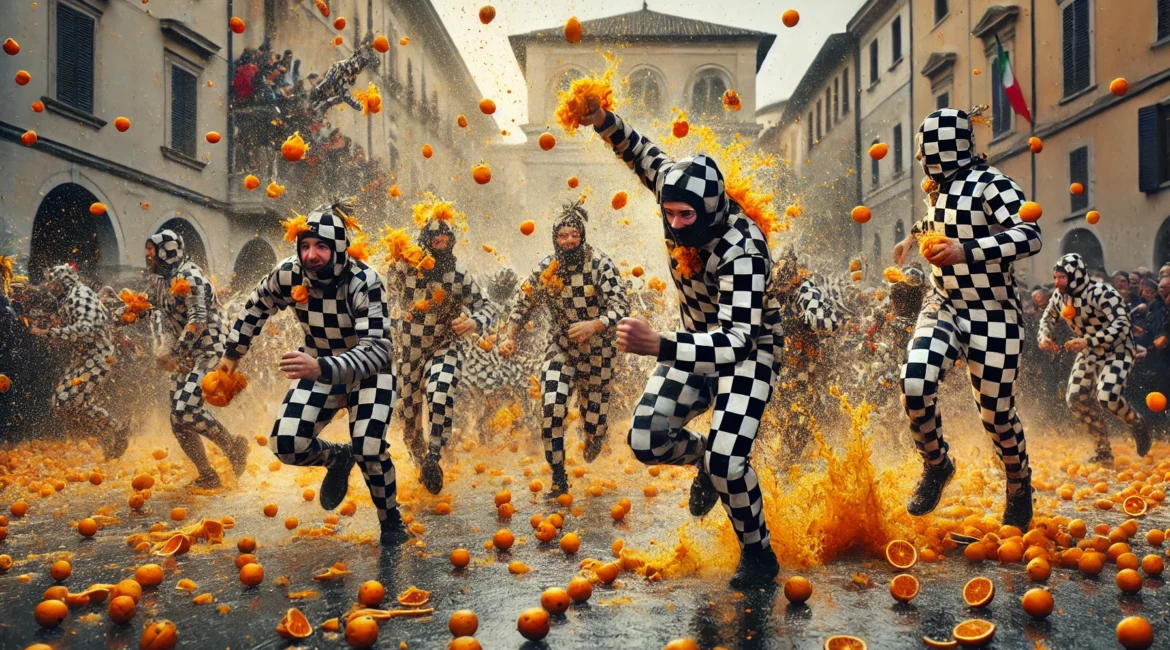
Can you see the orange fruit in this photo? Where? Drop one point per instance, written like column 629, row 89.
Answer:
column 532, row 624
column 361, row 632
column 487, row 106
column 339, row 23
column 1037, row 603
column 18, row 509
column 142, row 482
column 547, row 141
column 243, row 559
column 50, row 613
column 1091, row 564
column 879, row 150
column 845, row 642
column 56, row 592
column 555, row 600
column 861, row 214
column 680, row 128
column 975, row 552
column 503, row 539
column 270, row 510
column 23, row 77
column 11, row 47
column 503, row 496
column 28, row 138
column 122, row 609
column 978, row 592
column 149, row 575
column 96, row 478
column 212, row 137
column 1077, row 528
column 246, row 545
column 129, row 588
column 1129, row 581
column 798, row 589
column 1153, row 565
column 294, row 625
column 580, row 589
column 464, row 643
column 1127, row 561
column 681, row 644
column 1156, row 402
column 948, row 644
column 901, row 554
column 1134, row 506
column 1038, row 570
column 1135, row 633
column 974, row 632
column 1116, row 550
column 291, row 523
column 487, row 14
column 1011, row 552
column 527, row 227
column 570, row 543
column 427, row 151
column 159, row 635
column 381, row 44
column 463, row 622
column 1031, row 211
column 790, row 17
column 237, row 24
column 546, row 531
column 1119, row 86
column 618, row 513
column 1076, row 188
column 251, row 574
column 87, row 527
column 1155, row 537
column 460, row 558
column 573, row 31
column 535, row 486
column 61, row 570
column 607, row 573
column 371, row 593
column 1071, row 557
column 178, row 514
column 558, row 521
column 122, row 124
column 619, row 200
column 904, row 587
column 573, row 182
column 1035, row 145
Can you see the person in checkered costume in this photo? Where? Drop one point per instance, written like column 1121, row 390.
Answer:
column 585, row 295
column 344, row 362
column 1105, row 352
column 725, row 355
column 334, row 87
column 972, row 310
column 195, row 323
column 84, row 328
column 429, row 356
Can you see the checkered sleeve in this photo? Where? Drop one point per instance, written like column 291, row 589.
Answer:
column 83, row 311
column 1002, row 199
column 1048, row 318
column 1109, row 302
column 367, row 304
column 742, row 287
column 267, row 298
column 617, row 300
column 197, row 316
column 477, row 304
column 642, row 155
column 815, row 311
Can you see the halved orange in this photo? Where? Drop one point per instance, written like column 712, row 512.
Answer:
column 845, row 642
column 974, row 632
column 294, row 625
column 414, row 597
column 978, row 592
column 176, row 545
column 904, row 587
column 1134, row 506
column 901, row 554
column 948, row 644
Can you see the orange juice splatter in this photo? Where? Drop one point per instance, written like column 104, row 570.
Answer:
column 572, row 104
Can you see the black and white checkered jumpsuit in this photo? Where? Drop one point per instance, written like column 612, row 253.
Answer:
column 196, row 327
column 335, row 85
column 726, row 355
column 973, row 309
column 429, row 356
column 1100, row 371
column 345, row 323
column 84, row 328
column 593, row 290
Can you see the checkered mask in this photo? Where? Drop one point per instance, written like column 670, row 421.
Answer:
column 1073, row 265
column 168, row 251
column 946, row 143
column 65, row 274
column 327, row 226
column 699, row 183
column 573, row 216
column 444, row 259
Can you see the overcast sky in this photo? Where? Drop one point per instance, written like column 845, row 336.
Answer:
column 490, row 58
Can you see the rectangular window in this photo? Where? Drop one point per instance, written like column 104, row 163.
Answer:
column 1163, row 19
column 875, row 172
column 898, row 149
column 74, row 58
column 184, row 104
column 1001, row 108
column 847, row 91
column 836, row 97
column 828, row 115
column 1076, row 46
column 811, row 141
column 896, row 39
column 873, row 62
column 942, row 101
column 1078, row 172
column 941, row 9
column 1153, row 147
column 819, row 131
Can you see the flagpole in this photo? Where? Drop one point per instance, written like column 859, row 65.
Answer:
column 1035, row 115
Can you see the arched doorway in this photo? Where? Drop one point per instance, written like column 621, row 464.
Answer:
column 192, row 243
column 64, row 231
column 255, row 260
column 1162, row 245
column 1084, row 243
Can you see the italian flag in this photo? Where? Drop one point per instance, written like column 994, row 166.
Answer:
column 1011, row 87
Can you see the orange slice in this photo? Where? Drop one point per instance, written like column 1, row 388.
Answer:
column 901, row 554
column 294, row 625
column 904, row 587
column 948, row 644
column 978, row 592
column 177, row 545
column 974, row 632
column 1134, row 506
column 335, row 572
column 845, row 642
column 414, row 597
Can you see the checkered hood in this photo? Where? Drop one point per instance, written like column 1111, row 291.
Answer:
column 573, row 216
column 64, row 274
column 325, row 224
column 444, row 259
column 168, row 251
column 946, row 142
column 1078, row 276
column 698, row 182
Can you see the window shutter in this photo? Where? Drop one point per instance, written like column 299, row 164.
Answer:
column 873, row 62
column 940, row 9
column 183, row 111
column 75, row 58
column 1068, row 38
column 1001, row 109
column 898, row 147
column 1148, row 145
column 1083, row 45
column 1163, row 19
column 828, row 112
column 896, row 38
column 1078, row 172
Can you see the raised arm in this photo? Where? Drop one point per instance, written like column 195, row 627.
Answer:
column 476, row 304
column 1048, row 319
column 371, row 321
column 639, row 153
column 85, row 311
column 1002, row 199
column 201, row 295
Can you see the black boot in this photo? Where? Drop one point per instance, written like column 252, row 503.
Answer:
column 1018, row 509
column 1140, row 430
column 393, row 532
column 431, row 474
column 593, row 446
column 703, row 495
column 930, row 488
column 237, row 454
column 336, row 483
column 208, row 481
column 559, row 483
column 757, row 567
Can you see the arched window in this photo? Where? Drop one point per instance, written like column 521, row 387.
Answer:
column 707, row 93
column 561, row 82
column 645, row 90
column 65, row 232
column 1086, row 244
column 255, row 260
column 192, row 243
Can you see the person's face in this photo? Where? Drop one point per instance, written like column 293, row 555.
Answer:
column 1121, row 283
column 1061, row 280
column 1164, row 288
column 1134, row 279
column 568, row 238
column 440, row 242
column 150, row 255
column 314, row 253
column 1148, row 293
column 1040, row 299
column 679, row 214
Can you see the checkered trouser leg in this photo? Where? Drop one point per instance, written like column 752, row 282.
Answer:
column 370, row 404
column 413, row 398
column 993, row 363
column 556, row 377
column 1096, row 384
column 672, row 398
column 190, row 417
column 595, row 385
column 78, row 403
column 931, row 352
column 308, row 407
column 442, row 381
